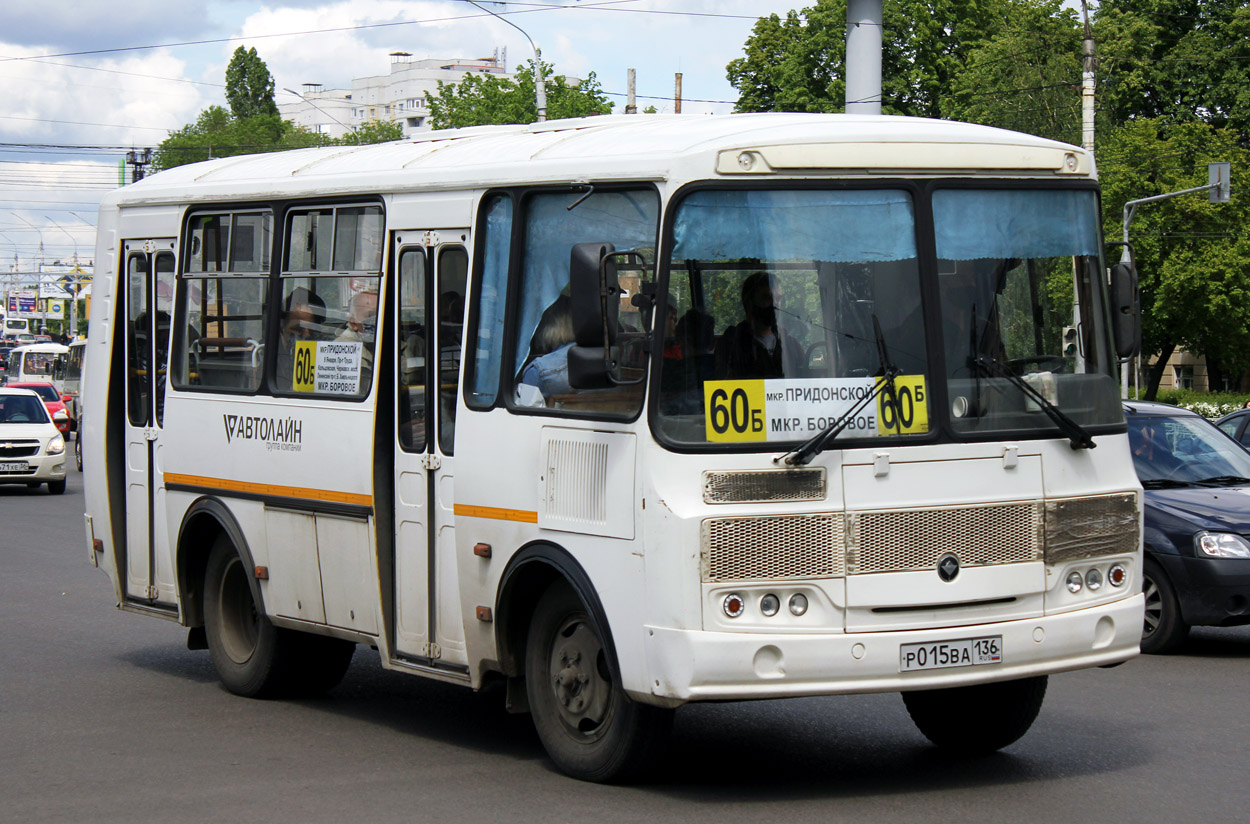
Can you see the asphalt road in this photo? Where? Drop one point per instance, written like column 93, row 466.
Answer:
column 106, row 716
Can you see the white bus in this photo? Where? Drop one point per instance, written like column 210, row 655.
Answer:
column 626, row 412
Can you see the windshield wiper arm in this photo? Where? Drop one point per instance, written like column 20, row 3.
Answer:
column 1077, row 436
column 1224, row 480
column 804, row 454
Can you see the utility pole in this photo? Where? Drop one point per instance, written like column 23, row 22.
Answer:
column 863, row 56
column 677, row 95
column 1089, row 67
column 139, row 161
column 630, row 106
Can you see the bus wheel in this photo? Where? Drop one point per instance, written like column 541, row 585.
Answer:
column 978, row 719
column 587, row 724
column 249, row 653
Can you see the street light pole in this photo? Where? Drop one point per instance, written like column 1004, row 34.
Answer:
column 540, row 88
column 39, row 267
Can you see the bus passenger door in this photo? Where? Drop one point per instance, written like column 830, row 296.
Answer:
column 430, row 321
column 149, row 268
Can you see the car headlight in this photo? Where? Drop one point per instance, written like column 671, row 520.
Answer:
column 56, row 446
column 1221, row 545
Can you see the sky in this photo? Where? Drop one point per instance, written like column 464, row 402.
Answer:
column 105, row 78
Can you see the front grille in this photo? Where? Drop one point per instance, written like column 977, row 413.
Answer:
column 1091, row 527
column 772, row 548
column 904, row 540
column 764, row 486
column 18, row 449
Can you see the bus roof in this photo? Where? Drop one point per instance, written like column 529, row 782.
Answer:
column 625, row 147
column 54, row 348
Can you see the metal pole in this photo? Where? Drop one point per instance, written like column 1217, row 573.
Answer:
column 863, row 56
column 677, row 94
column 630, row 106
column 1089, row 68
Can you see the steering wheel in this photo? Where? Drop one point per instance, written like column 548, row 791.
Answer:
column 1058, row 363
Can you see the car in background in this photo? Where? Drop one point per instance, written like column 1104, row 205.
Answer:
column 52, row 400
column 1197, row 523
column 32, row 450
column 1235, row 426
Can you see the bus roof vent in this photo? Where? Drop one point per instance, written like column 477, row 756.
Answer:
column 764, row 486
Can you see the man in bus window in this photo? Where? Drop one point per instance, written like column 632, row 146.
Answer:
column 303, row 313
column 754, row 347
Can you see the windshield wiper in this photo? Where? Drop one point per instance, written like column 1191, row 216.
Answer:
column 1164, row 483
column 1077, row 436
column 1224, row 480
column 814, row 445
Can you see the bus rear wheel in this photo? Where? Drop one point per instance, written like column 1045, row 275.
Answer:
column 590, row 728
column 980, row 718
column 250, row 654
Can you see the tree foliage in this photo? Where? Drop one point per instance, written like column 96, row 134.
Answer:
column 483, row 99
column 249, row 87
column 798, row 64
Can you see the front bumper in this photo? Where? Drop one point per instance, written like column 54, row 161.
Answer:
column 694, row 665
column 40, row 469
column 1212, row 591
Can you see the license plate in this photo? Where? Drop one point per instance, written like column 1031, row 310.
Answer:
column 966, row 652
column 14, row 466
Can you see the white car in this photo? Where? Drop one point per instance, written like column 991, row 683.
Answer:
column 32, row 451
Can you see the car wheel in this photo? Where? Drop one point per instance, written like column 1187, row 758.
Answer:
column 1004, row 711
column 252, row 656
column 78, row 452
column 56, row 487
column 587, row 724
column 1164, row 630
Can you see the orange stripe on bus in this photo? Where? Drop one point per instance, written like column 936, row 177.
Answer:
column 303, row 493
column 525, row 516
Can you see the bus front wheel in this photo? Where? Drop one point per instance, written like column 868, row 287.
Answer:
column 589, row 727
column 248, row 651
column 977, row 719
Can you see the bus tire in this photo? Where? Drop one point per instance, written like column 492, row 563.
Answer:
column 590, row 728
column 251, row 655
column 977, row 719
column 1163, row 629
column 320, row 663
column 56, row 487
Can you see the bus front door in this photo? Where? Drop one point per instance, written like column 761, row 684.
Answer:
column 429, row 318
column 149, row 268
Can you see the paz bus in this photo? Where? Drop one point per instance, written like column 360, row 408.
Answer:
column 625, row 413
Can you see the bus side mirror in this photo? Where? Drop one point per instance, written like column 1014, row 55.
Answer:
column 593, row 301
column 1125, row 310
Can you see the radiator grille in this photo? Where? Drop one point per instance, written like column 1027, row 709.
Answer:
column 772, row 549
column 1091, row 527
column 897, row 541
column 764, row 486
column 18, row 449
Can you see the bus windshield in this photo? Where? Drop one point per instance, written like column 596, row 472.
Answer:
column 786, row 307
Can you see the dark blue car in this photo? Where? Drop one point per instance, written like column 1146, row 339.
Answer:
column 1197, row 530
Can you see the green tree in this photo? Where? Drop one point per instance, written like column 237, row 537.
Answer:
column 373, row 131
column 1176, row 59
column 1193, row 256
column 798, row 64
column 482, row 99
column 216, row 134
column 1027, row 76
column 249, row 88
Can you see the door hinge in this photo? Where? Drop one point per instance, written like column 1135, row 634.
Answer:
column 431, row 461
column 431, row 650
column 430, row 239
column 150, row 433
column 152, row 593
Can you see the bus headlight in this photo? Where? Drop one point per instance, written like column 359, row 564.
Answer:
column 770, row 604
column 1075, row 582
column 1093, row 580
column 798, row 603
column 56, row 446
column 1221, row 545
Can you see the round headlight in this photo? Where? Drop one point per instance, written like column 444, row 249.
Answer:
column 1075, row 583
column 770, row 604
column 1093, row 580
column 1117, row 575
column 733, row 605
column 798, row 603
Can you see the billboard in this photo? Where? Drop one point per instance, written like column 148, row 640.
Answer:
column 23, row 304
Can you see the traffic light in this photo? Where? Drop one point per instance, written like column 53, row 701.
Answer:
column 1070, row 344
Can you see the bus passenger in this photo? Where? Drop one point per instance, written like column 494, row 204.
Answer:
column 303, row 313
column 548, row 366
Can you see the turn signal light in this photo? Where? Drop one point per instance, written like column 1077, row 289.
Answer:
column 1117, row 575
